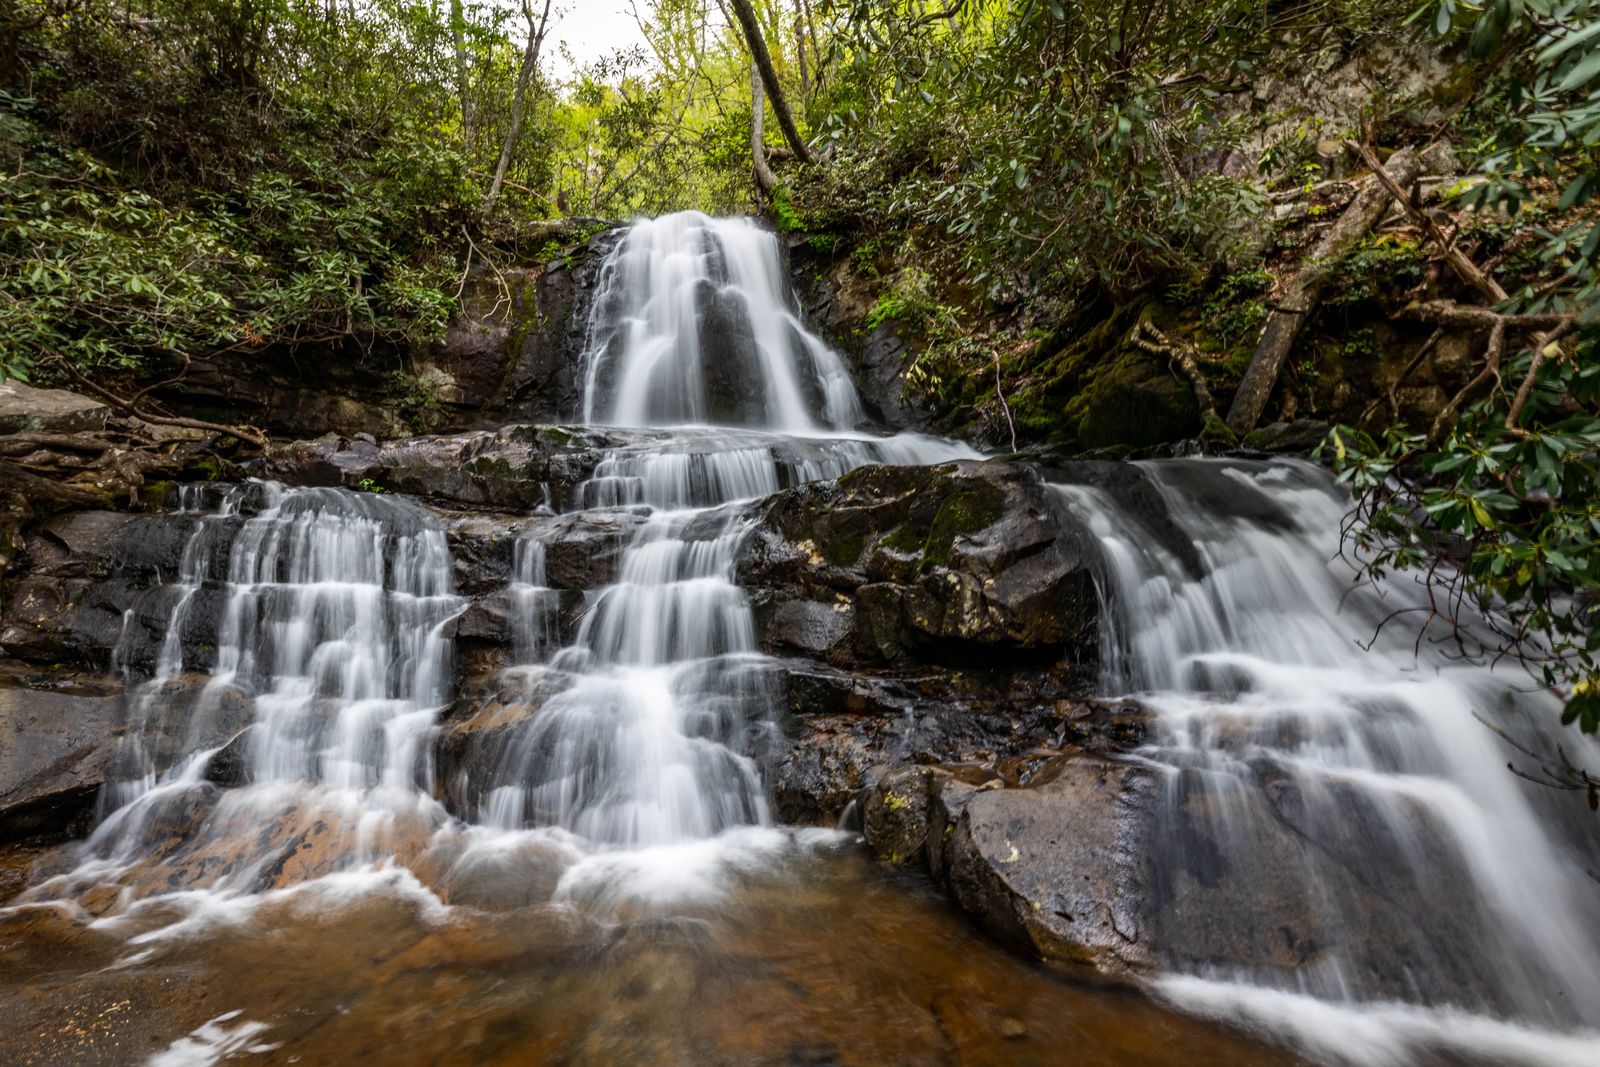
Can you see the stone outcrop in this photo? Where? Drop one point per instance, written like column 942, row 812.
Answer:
column 25, row 409
column 836, row 302
column 967, row 563
column 919, row 615
column 64, row 735
column 513, row 351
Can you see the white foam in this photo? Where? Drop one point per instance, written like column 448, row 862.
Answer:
column 1382, row 1034
column 214, row 1041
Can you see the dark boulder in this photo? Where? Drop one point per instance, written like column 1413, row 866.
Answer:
column 63, row 738
column 56, row 750
column 27, row 409
column 964, row 563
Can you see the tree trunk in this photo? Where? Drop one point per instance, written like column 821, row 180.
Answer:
column 1304, row 293
column 463, row 81
column 816, row 49
column 530, row 64
column 800, row 51
column 766, row 181
column 763, row 61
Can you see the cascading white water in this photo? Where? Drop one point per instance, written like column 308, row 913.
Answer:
column 650, row 741
column 693, row 323
column 336, row 626
column 338, row 603
column 629, row 786
column 1251, row 654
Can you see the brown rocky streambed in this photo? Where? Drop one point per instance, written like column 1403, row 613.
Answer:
column 822, row 958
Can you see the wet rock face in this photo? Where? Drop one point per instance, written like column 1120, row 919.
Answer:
column 78, row 577
column 836, row 302
column 63, row 736
column 1112, row 869
column 56, row 750
column 920, row 616
column 967, row 563
column 518, row 468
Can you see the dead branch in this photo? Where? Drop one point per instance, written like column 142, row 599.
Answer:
column 998, row 392
column 1489, row 373
column 248, row 434
column 1485, row 283
column 1464, row 267
column 1181, row 355
column 1468, row 316
column 1304, row 293
column 1393, row 389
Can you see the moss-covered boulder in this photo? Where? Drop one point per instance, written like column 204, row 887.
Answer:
column 968, row 562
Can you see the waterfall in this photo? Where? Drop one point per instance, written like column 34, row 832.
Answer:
column 335, row 631
column 1433, row 900
column 1246, row 638
column 663, row 696
column 694, row 323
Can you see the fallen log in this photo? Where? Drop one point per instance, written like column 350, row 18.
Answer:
column 1305, row 291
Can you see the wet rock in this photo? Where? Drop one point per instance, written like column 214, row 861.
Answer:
column 544, row 347
column 898, row 565
column 517, row 468
column 83, row 575
column 63, row 737
column 26, row 409
column 486, row 727
column 56, row 750
column 483, row 548
column 895, row 815
column 1133, row 401
column 1299, row 437
column 66, row 621
column 583, row 549
column 836, row 301
column 842, row 729
column 1053, row 870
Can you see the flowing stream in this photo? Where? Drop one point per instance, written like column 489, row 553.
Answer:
column 609, row 885
column 1287, row 700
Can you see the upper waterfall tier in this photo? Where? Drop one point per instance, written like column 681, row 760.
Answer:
column 693, row 323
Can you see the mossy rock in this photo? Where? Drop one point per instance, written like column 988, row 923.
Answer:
column 963, row 512
column 1133, row 401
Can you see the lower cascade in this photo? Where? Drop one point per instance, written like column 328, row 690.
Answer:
column 515, row 778
column 1344, row 784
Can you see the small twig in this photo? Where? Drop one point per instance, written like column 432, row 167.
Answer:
column 1394, row 386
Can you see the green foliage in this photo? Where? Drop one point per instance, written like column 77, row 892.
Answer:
column 1378, row 269
column 270, row 175
column 1503, row 512
column 1058, row 170
column 1231, row 311
column 1505, row 521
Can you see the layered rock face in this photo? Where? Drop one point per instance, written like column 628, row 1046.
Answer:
column 932, row 631
column 931, row 640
